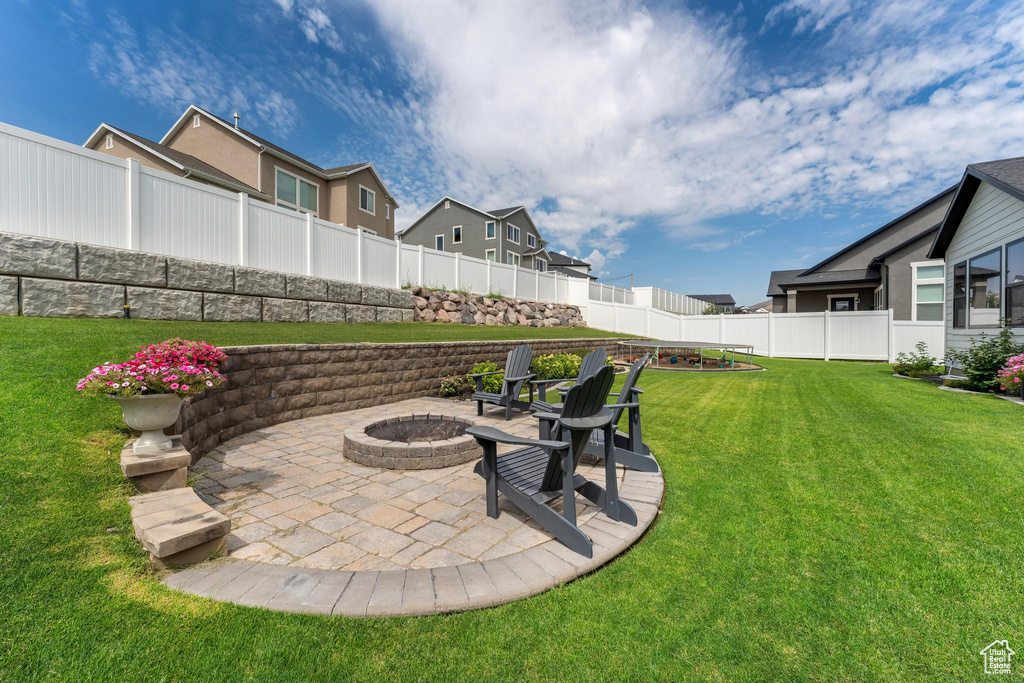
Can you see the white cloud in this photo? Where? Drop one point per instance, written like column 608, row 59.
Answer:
column 171, row 70
column 314, row 21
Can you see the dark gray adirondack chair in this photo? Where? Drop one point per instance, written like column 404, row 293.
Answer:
column 517, row 372
column 630, row 449
column 591, row 363
column 544, row 470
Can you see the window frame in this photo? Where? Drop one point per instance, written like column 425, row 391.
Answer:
column 494, row 230
column 513, row 259
column 879, row 298
column 537, row 261
column 367, row 230
column 954, row 297
column 369, row 193
column 110, row 141
column 454, row 234
column 531, row 240
column 856, row 301
column 915, row 280
column 436, row 238
column 1006, row 281
column 512, row 229
column 195, row 120
column 999, row 252
column 491, row 255
column 297, row 207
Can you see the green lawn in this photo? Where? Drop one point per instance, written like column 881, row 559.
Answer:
column 822, row 520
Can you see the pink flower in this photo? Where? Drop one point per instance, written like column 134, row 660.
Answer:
column 174, row 386
column 184, row 387
column 209, row 383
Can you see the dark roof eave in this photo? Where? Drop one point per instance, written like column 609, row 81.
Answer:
column 966, row 189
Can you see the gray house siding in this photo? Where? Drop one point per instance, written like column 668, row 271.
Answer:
column 860, row 256
column 521, row 220
column 440, row 221
column 899, row 271
column 993, row 219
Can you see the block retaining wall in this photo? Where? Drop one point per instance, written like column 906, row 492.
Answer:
column 268, row 385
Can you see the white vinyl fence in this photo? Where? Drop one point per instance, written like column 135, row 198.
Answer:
column 665, row 300
column 855, row 335
column 611, row 294
column 55, row 189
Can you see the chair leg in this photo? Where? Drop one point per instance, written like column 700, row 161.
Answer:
column 508, row 410
column 479, row 407
column 489, row 464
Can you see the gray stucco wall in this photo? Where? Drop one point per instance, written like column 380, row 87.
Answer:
column 861, row 255
column 993, row 219
column 901, row 277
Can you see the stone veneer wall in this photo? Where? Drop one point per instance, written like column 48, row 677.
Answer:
column 51, row 278
column 469, row 309
column 271, row 384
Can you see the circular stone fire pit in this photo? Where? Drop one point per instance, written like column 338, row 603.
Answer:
column 412, row 442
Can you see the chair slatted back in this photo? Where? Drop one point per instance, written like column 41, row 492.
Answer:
column 585, row 399
column 518, row 365
column 627, row 386
column 591, row 363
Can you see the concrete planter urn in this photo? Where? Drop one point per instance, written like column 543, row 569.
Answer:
column 150, row 415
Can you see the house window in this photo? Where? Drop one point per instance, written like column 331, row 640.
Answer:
column 513, row 233
column 439, row 242
column 367, row 200
column 456, row 234
column 489, row 255
column 542, row 265
column 531, row 240
column 195, row 120
column 387, row 210
column 489, row 230
column 296, row 194
column 447, row 204
column 512, row 259
column 367, row 230
column 1015, row 283
column 960, row 294
column 110, row 142
column 929, row 291
column 842, row 303
column 879, row 298
column 984, row 274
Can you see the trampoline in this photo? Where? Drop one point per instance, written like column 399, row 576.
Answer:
column 689, row 356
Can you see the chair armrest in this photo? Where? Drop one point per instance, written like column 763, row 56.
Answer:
column 519, row 379
column 498, row 436
column 547, row 416
column 484, row 374
column 551, row 381
column 622, row 405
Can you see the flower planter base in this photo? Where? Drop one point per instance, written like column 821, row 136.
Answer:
column 159, row 470
column 150, row 415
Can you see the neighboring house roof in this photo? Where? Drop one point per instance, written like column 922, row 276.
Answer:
column 1005, row 174
column 186, row 162
column 572, row 273
column 501, row 213
column 328, row 173
column 720, row 299
column 496, row 215
column 558, row 259
column 780, row 280
column 882, row 229
column 764, row 305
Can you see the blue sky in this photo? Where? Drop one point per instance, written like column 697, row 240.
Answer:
column 697, row 145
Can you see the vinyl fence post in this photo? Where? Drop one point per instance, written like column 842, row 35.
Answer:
column 515, row 282
column 243, row 227
column 721, row 328
column 488, row 261
column 828, row 324
column 458, row 270
column 771, row 334
column 419, row 269
column 892, row 337
column 536, row 280
column 309, row 244
column 132, row 178
column 398, row 264
column 359, row 255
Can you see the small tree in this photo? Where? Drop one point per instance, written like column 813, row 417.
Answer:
column 713, row 309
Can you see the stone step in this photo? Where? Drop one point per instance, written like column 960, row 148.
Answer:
column 170, row 522
column 140, row 464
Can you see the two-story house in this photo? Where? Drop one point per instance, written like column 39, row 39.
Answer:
column 204, row 147
column 887, row 268
column 501, row 235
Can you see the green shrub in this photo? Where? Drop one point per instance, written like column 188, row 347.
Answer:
column 957, row 383
column 915, row 364
column 492, row 383
column 455, row 386
column 557, row 366
column 986, row 356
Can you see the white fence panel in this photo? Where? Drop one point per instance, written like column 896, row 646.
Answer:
column 333, row 252
column 473, row 275
column 410, row 265
column 799, row 335
column 859, row 335
column 52, row 188
column 601, row 315
column 438, row 269
column 181, row 218
column 907, row 334
column 705, row 328
column 527, row 284
column 548, row 288
column 746, row 329
column 632, row 319
column 276, row 239
column 663, row 325
column 503, row 279
column 379, row 260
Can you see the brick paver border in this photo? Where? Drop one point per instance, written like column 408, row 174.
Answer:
column 418, row 592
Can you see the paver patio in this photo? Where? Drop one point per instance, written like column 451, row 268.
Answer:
column 300, row 513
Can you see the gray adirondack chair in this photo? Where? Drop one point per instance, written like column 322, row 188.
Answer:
column 544, row 469
column 591, row 363
column 517, row 372
column 630, row 449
